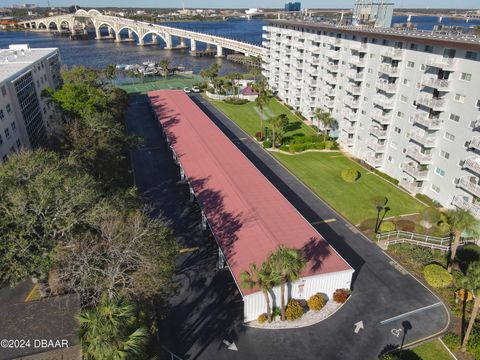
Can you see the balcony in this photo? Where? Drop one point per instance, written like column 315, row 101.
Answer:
column 461, row 203
column 475, row 143
column 389, row 88
column 348, row 141
column 378, row 132
column 472, row 164
column 434, row 82
column 347, row 127
column 410, row 186
column 415, row 171
column 380, row 117
column 441, row 62
column 298, row 76
column 383, row 101
column 393, row 53
column 315, row 61
column 329, row 79
column 373, row 160
column 329, row 102
column 332, row 67
column 332, row 54
column 431, row 102
column 421, row 138
column 349, row 114
column 415, row 154
column 389, row 70
column 357, row 61
column 354, row 104
column 359, row 46
column 355, row 75
column 424, row 120
column 353, row 89
column 470, row 183
column 374, row 145
column 330, row 92
column 313, row 82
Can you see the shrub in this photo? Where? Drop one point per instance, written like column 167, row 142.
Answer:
column 385, row 176
column 350, row 175
column 341, row 295
column 259, row 135
column 297, row 147
column 262, row 318
column 462, row 293
column 294, row 310
column 421, row 255
column 474, row 341
column 316, row 302
column 424, row 198
column 405, row 225
column 452, row 341
column 437, row 276
column 334, row 146
column 387, row 226
column 276, row 312
column 284, row 148
column 236, row 101
column 267, row 144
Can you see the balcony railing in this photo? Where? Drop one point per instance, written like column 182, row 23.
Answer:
column 374, row 145
column 415, row 154
column 377, row 132
column 349, row 114
column 475, row 143
column 441, row 62
column 389, row 70
column 434, row 82
column 373, row 160
column 471, row 186
column 426, row 140
column 410, row 186
column 332, row 54
column 353, row 74
column 346, row 126
column 315, row 61
column 415, row 171
column 393, row 53
column 353, row 89
column 329, row 79
column 357, row 46
column 383, row 119
column 329, row 102
column 390, row 88
column 461, row 203
column 473, row 164
column 348, row 141
column 383, row 101
column 330, row 92
column 332, row 67
column 423, row 119
column 352, row 103
column 356, row 60
column 429, row 101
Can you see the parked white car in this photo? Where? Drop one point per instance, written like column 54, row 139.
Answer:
column 187, row 90
column 195, row 89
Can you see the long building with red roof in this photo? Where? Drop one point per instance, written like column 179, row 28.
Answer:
column 247, row 215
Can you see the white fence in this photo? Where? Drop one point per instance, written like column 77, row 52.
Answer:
column 226, row 97
column 433, row 242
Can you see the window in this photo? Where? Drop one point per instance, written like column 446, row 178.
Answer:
column 400, row 114
column 14, row 127
column 466, row 76
column 4, row 91
column 454, row 117
column 478, row 104
column 439, row 172
column 367, row 85
column 410, row 64
column 403, row 98
column 460, row 98
column 445, row 154
column 398, row 130
column 1, row 139
column 471, row 55
column 2, row 115
column 7, row 133
column 449, row 136
column 422, row 67
column 413, row 46
column 9, row 109
column 435, row 188
column 390, row 160
column 406, row 82
column 428, row 48
column 372, row 56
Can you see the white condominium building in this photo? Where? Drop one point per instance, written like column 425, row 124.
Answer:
column 24, row 114
column 406, row 102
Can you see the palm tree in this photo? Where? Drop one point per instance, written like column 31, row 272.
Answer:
column 111, row 331
column 262, row 98
column 289, row 263
column 264, row 278
column 277, row 123
column 327, row 121
column 380, row 204
column 472, row 281
column 233, row 77
column 460, row 220
column 164, row 65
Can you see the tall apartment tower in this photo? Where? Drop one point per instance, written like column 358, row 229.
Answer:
column 406, row 102
column 24, row 114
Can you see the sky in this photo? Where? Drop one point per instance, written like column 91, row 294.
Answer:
column 243, row 3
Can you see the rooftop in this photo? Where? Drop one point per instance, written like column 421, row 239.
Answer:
column 248, row 216
column 18, row 56
column 455, row 40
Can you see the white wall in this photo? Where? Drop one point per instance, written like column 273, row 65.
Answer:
column 254, row 304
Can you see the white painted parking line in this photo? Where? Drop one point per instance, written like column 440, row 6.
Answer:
column 386, row 321
column 323, row 221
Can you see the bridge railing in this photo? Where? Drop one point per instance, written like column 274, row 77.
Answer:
column 433, row 242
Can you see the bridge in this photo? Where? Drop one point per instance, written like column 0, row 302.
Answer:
column 142, row 33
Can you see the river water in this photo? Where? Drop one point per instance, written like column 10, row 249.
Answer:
column 99, row 53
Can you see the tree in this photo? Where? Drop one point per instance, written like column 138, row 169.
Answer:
column 264, row 278
column 472, row 281
column 262, row 99
column 380, row 204
column 233, row 77
column 326, row 120
column 112, row 331
column 277, row 123
column 288, row 263
column 164, row 65
column 110, row 72
column 44, row 200
column 210, row 73
column 125, row 252
column 460, row 220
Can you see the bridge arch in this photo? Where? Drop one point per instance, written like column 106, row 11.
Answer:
column 154, row 33
column 81, row 12
column 49, row 25
column 129, row 28
column 69, row 24
column 94, row 12
column 39, row 25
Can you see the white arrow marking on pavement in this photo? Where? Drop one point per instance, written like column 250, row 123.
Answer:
column 358, row 326
column 230, row 346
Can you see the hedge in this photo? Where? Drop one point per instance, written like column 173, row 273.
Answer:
column 316, row 302
column 294, row 310
column 236, row 101
column 424, row 198
column 437, row 276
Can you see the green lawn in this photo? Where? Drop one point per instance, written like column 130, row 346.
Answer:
column 172, row 82
column 247, row 116
column 321, row 172
column 432, row 350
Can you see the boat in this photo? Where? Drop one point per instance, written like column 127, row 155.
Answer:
column 121, row 66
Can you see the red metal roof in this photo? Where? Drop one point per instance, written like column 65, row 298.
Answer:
column 248, row 216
